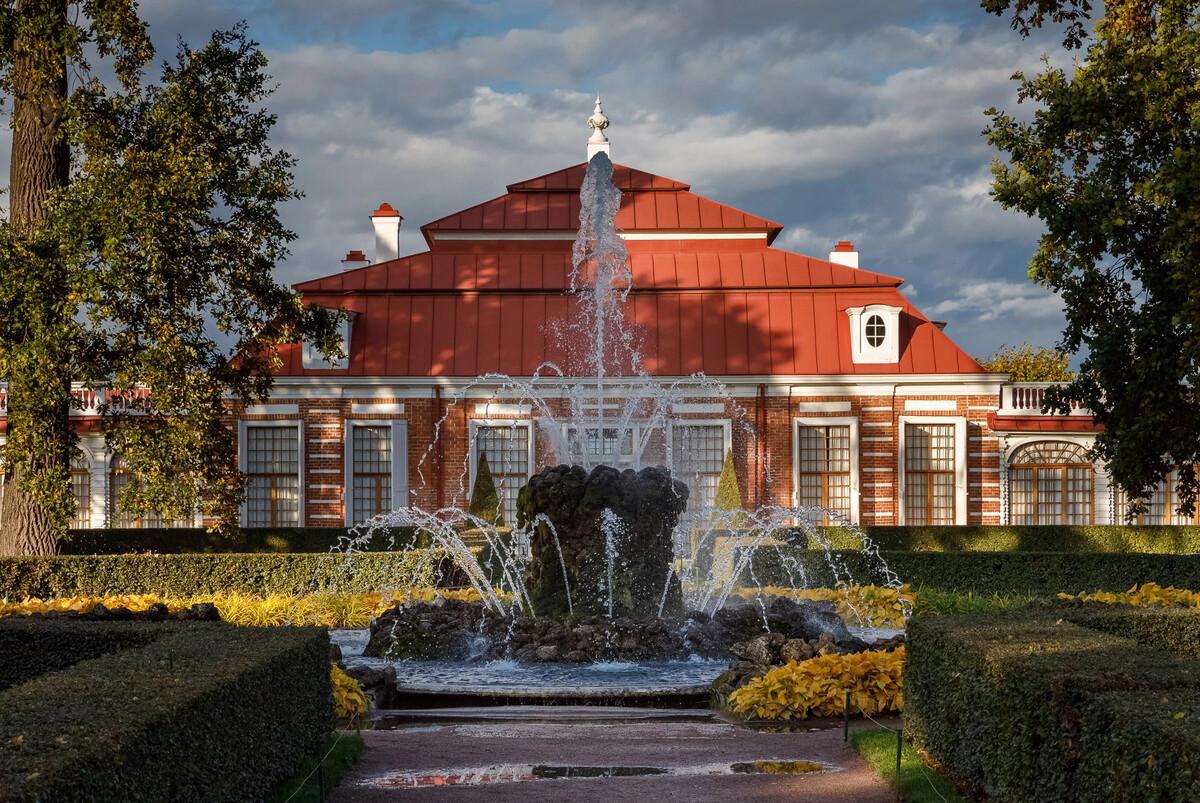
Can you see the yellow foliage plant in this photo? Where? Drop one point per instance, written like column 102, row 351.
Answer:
column 1145, row 595
column 818, row 686
column 867, row 606
column 349, row 699
column 329, row 610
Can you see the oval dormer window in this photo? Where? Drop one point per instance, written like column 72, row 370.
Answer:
column 876, row 331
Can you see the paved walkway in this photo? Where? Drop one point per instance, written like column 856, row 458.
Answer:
column 505, row 754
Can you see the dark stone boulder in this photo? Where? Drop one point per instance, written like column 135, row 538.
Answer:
column 639, row 510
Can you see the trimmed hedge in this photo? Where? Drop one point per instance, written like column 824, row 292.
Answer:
column 1166, row 539
column 981, row 572
column 209, row 712
column 1176, row 630
column 194, row 575
column 179, row 540
column 1026, row 707
column 29, row 648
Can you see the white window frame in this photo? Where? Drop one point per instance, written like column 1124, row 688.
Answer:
column 960, row 462
column 399, row 465
column 862, row 352
column 243, row 458
column 832, row 421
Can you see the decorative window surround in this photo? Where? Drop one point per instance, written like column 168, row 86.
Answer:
column 874, row 334
column 841, row 421
column 399, row 458
column 960, row 461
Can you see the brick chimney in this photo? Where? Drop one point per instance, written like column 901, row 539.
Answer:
column 355, row 259
column 844, row 254
column 387, row 233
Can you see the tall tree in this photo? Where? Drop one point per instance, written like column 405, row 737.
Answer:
column 1109, row 161
column 136, row 261
column 1026, row 363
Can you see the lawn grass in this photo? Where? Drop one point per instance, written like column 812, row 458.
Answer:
column 339, row 756
column 918, row 783
column 941, row 602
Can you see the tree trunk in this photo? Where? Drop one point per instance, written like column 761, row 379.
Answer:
column 39, row 381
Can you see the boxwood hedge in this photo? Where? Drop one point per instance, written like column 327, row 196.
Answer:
column 177, row 540
column 1025, row 707
column 209, row 712
column 29, row 648
column 192, row 575
column 1166, row 539
column 1044, row 573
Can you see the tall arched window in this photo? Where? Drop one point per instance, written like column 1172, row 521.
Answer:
column 1050, row 482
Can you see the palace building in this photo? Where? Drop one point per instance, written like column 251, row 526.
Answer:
column 838, row 391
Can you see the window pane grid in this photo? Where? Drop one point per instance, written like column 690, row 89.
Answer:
column 507, row 450
column 371, row 463
column 273, row 463
column 824, row 468
column 1163, row 505
column 929, row 496
column 1050, row 482
column 698, row 451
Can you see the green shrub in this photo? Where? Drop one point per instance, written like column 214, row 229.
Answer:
column 1169, row 539
column 192, row 575
column 205, row 713
column 1006, row 702
column 729, row 496
column 1043, row 574
column 176, row 540
column 485, row 502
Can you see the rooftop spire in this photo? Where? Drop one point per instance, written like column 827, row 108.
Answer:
column 597, row 122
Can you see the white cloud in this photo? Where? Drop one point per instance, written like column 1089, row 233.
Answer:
column 991, row 301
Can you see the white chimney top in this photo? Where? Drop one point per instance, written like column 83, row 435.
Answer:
column 355, row 259
column 387, row 233
column 597, row 122
column 844, row 254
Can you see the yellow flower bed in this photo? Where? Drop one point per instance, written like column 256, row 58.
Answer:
column 1144, row 595
column 818, row 687
column 870, row 606
column 349, row 699
column 329, row 610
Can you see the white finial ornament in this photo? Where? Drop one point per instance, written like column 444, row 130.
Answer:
column 597, row 122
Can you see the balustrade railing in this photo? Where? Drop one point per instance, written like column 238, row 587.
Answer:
column 88, row 402
column 1026, row 398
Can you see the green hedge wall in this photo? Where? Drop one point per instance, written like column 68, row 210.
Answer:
column 1035, row 707
column 177, row 540
column 981, row 572
column 192, row 575
column 29, row 648
column 1042, row 538
column 212, row 713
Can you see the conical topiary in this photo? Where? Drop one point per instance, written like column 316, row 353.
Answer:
column 485, row 502
column 729, row 497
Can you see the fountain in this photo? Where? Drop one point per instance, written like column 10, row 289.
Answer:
column 599, row 567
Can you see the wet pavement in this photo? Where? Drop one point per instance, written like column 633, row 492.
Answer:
column 554, row 753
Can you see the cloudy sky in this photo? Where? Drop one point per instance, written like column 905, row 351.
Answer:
column 856, row 120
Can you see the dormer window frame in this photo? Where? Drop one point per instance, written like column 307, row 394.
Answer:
column 868, row 345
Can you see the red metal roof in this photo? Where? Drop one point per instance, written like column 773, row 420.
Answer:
column 649, row 203
column 732, row 306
